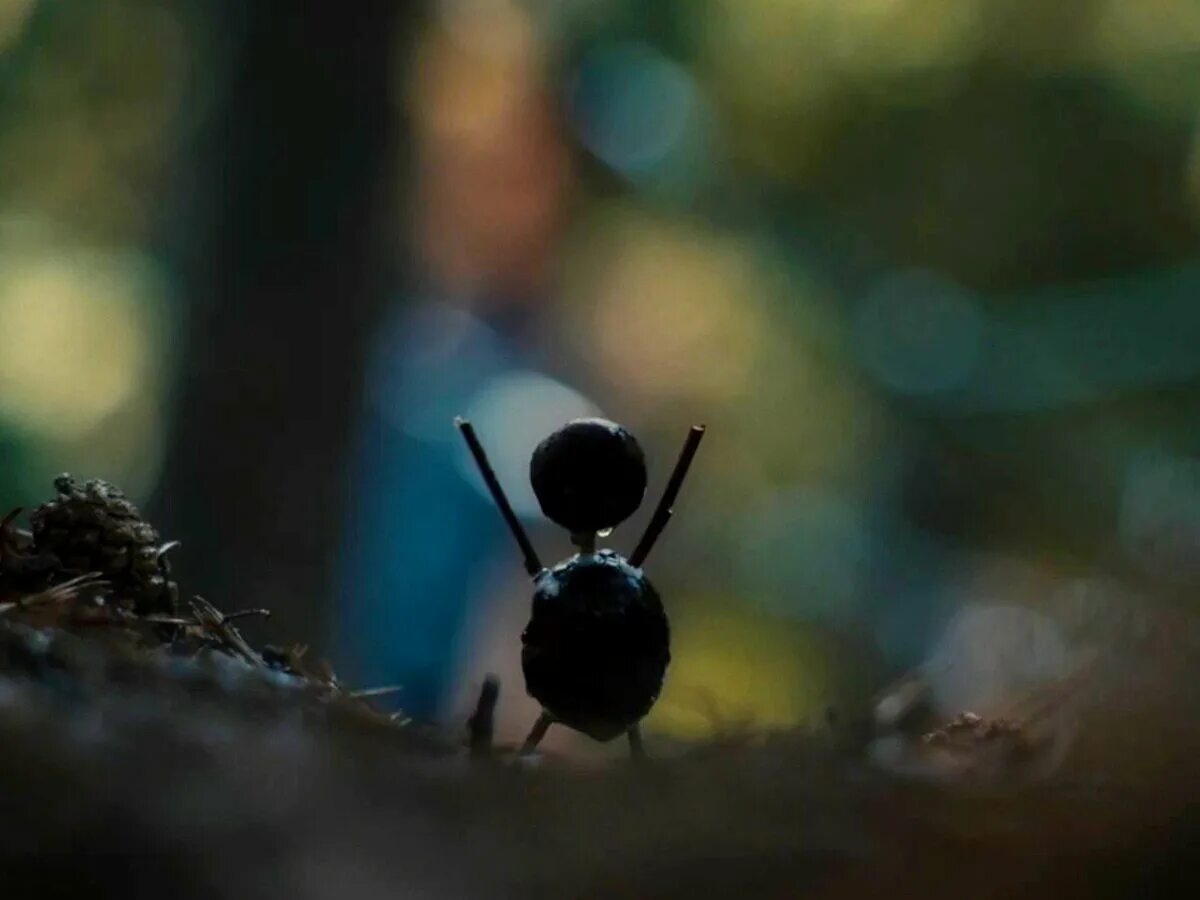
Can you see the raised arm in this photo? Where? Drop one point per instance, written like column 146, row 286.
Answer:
column 662, row 513
column 532, row 564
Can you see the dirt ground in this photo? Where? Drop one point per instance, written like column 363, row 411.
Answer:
column 148, row 750
column 130, row 774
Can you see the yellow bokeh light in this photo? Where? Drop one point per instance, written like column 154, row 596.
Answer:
column 127, row 448
column 1125, row 30
column 74, row 342
column 497, row 28
column 1149, row 52
column 13, row 16
column 733, row 669
column 788, row 46
column 471, row 70
column 781, row 69
column 674, row 312
column 99, row 92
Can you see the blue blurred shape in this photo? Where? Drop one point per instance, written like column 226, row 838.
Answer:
column 1159, row 519
column 417, row 528
column 634, row 109
column 1078, row 343
column 919, row 333
column 423, row 533
column 806, row 554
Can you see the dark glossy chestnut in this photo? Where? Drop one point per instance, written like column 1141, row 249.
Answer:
column 589, row 476
column 597, row 644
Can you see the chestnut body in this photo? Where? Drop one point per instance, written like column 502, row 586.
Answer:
column 597, row 644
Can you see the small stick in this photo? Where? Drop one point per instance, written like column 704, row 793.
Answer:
column 532, row 564
column 167, row 548
column 540, row 727
column 662, row 513
column 243, row 613
column 636, row 750
column 59, row 593
column 481, row 726
column 585, row 541
column 160, row 620
column 213, row 620
column 377, row 691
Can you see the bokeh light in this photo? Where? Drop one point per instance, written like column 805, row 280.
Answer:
column 805, row 552
column 1160, row 515
column 85, row 338
column 77, row 338
column 93, row 102
column 919, row 333
column 13, row 16
column 636, row 110
column 993, row 652
column 783, row 68
column 672, row 313
column 1123, row 31
column 736, row 674
column 493, row 168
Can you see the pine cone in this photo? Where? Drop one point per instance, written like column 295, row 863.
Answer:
column 94, row 528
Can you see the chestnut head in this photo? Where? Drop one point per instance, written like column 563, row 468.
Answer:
column 589, row 475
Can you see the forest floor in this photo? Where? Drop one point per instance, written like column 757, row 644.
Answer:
column 151, row 753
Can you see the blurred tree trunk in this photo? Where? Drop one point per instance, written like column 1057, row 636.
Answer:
column 285, row 233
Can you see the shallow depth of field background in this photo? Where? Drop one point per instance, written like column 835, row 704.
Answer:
column 928, row 269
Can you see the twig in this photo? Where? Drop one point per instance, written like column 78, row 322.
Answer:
column 59, row 593
column 212, row 619
column 481, row 725
column 662, row 513
column 329, row 677
column 164, row 620
column 540, row 727
column 376, row 692
column 532, row 564
column 167, row 548
column 243, row 613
